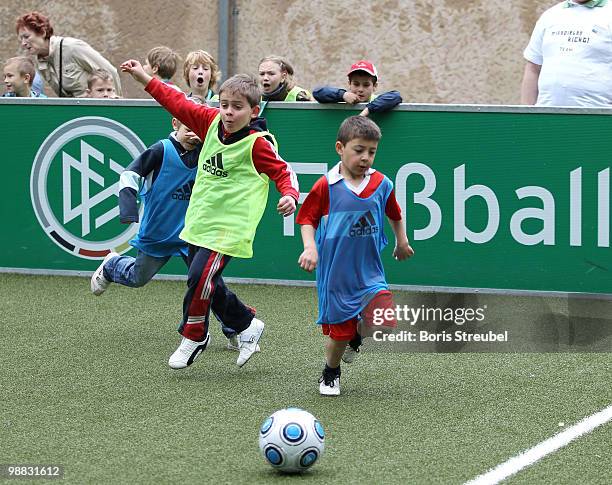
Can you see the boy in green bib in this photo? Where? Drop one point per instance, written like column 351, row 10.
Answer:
column 237, row 161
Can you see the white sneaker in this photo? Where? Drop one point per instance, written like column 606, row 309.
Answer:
column 187, row 352
column 329, row 385
column 234, row 344
column 98, row 282
column 248, row 341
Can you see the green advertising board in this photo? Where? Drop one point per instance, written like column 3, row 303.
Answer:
column 495, row 198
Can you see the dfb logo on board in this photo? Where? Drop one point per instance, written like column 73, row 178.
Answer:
column 74, row 185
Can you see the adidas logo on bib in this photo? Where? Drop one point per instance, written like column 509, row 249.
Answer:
column 365, row 226
column 184, row 192
column 214, row 166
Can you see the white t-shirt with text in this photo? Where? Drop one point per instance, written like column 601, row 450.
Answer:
column 574, row 47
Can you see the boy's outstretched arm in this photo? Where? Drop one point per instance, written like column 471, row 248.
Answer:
column 197, row 116
column 402, row 250
column 309, row 257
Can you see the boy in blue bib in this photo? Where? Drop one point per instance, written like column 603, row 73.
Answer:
column 342, row 229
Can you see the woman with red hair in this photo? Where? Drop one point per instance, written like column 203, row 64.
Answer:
column 64, row 63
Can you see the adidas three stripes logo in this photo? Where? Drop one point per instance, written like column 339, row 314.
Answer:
column 365, row 226
column 214, row 166
column 184, row 192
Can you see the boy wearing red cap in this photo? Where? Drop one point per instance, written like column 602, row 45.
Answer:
column 362, row 82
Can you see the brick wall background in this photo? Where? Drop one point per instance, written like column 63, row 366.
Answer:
column 447, row 51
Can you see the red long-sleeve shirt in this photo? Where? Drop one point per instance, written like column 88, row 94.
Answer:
column 199, row 117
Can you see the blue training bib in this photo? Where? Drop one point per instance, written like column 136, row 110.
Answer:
column 349, row 241
column 165, row 204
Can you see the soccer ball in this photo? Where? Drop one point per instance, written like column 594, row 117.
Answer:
column 291, row 440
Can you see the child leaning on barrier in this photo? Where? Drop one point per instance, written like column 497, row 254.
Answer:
column 362, row 82
column 100, row 85
column 277, row 83
column 19, row 74
column 228, row 200
column 201, row 73
column 342, row 223
column 162, row 176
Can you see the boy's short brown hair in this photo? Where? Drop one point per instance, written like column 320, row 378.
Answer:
column 24, row 66
column 358, row 127
column 245, row 85
column 198, row 57
column 98, row 75
column 165, row 59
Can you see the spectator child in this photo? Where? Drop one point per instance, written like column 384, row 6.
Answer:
column 277, row 83
column 362, row 82
column 100, row 85
column 161, row 64
column 19, row 74
column 201, row 73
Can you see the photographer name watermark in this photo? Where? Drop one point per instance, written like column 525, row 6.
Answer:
column 426, row 336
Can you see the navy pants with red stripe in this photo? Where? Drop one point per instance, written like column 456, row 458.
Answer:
column 206, row 290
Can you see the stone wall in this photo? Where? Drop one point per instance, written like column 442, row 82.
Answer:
column 448, row 51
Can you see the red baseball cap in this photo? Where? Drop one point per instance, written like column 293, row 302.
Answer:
column 365, row 66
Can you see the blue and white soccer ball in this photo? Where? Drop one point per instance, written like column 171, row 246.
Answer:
column 291, row 440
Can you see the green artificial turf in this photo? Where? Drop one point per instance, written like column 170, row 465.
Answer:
column 85, row 384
